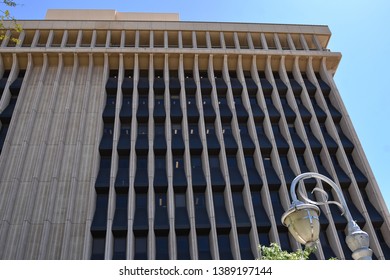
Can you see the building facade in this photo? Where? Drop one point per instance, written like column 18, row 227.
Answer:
column 146, row 137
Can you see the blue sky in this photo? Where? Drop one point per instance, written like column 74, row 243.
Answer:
column 359, row 31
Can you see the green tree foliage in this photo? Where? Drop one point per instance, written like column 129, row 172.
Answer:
column 274, row 252
column 5, row 16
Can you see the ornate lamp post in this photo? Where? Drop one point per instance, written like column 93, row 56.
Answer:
column 302, row 218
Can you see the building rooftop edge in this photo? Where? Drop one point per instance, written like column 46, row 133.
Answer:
column 51, row 15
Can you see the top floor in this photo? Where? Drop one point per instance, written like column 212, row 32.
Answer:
column 111, row 29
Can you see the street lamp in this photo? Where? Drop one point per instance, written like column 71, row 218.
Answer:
column 302, row 218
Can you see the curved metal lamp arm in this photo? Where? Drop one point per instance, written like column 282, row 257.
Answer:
column 357, row 240
column 342, row 205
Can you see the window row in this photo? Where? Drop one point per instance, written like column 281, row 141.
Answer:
column 223, row 223
column 213, row 130
column 239, row 101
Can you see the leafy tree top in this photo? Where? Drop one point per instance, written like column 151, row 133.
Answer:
column 5, row 15
column 274, row 252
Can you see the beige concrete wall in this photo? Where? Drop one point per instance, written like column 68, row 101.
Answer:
column 53, row 149
column 76, row 14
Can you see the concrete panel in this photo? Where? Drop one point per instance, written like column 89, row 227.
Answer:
column 61, row 202
column 28, row 98
column 20, row 203
column 77, row 99
column 73, row 129
column 98, row 71
column 45, row 99
column 49, row 163
column 39, row 129
column 54, row 243
column 20, row 128
column 29, row 163
column 79, row 90
column 30, row 88
column 88, row 156
column 146, row 16
column 5, row 188
column 93, row 120
column 97, row 90
column 87, row 14
column 11, row 163
column 67, row 163
column 80, row 205
column 56, row 129
column 96, row 101
column 63, row 92
column 76, row 242
column 47, row 90
column 9, row 251
column 33, row 241
column 41, row 202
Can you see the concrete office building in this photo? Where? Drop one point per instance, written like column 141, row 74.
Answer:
column 139, row 136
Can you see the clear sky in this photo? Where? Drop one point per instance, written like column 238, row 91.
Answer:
column 360, row 31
